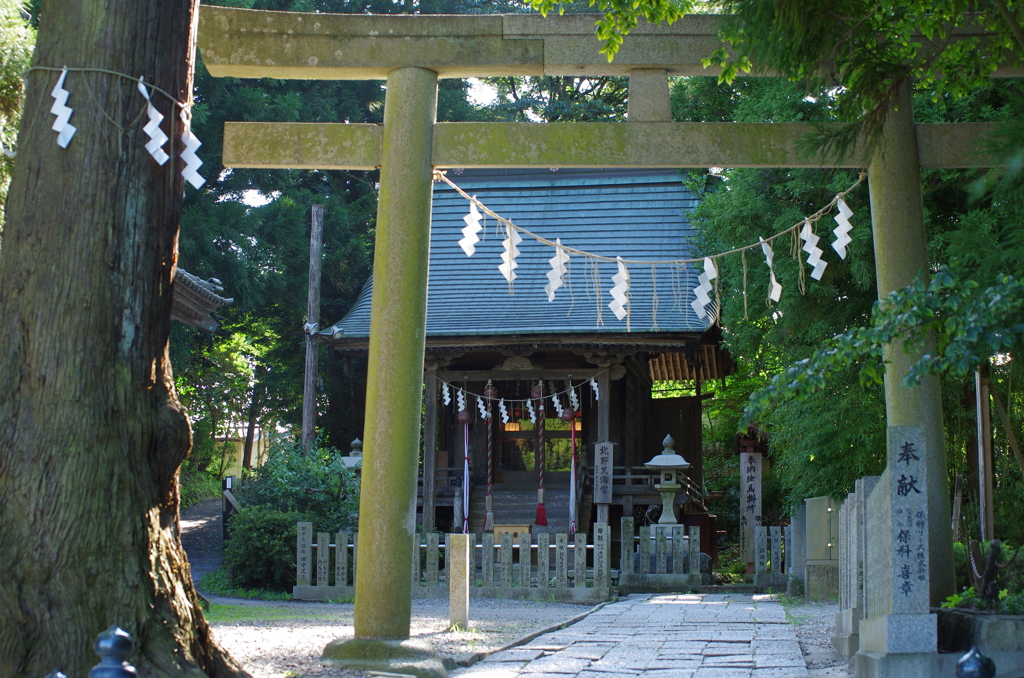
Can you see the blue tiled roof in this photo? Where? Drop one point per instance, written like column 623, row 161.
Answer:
column 634, row 214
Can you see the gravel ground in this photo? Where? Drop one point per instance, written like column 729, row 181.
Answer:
column 285, row 639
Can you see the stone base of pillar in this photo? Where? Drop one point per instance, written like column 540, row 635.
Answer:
column 407, row 657
column 847, row 638
column 900, row 634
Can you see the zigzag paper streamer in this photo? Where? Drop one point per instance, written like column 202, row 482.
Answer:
column 462, row 400
column 574, row 400
column 447, row 393
column 558, row 269
column 192, row 161
column 533, row 413
column 470, row 230
column 769, row 256
column 555, row 401
column 482, row 407
column 511, row 246
column 595, row 389
column 62, row 125
column 842, row 231
column 157, row 138
column 620, row 291
column 703, row 300
column 503, row 410
column 813, row 251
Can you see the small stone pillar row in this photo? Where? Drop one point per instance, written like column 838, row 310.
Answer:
column 387, row 507
column 897, row 222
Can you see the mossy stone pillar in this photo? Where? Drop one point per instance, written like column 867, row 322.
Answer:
column 901, row 255
column 394, row 384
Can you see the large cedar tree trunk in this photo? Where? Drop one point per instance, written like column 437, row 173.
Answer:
column 91, row 432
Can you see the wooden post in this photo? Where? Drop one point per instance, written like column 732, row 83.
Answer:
column 316, row 242
column 604, row 384
column 430, row 452
column 985, row 493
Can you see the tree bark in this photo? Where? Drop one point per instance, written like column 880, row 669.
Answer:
column 91, row 432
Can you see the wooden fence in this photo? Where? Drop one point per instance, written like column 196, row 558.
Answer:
column 528, row 567
column 531, row 567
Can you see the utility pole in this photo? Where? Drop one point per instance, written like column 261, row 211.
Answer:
column 316, row 242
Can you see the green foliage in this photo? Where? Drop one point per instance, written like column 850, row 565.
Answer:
column 972, row 323
column 1007, row 603
column 318, row 486
column 219, row 583
column 197, row 487
column 260, row 553
column 865, row 50
column 619, row 16
column 17, row 40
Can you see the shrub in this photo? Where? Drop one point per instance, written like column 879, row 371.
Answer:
column 197, row 487
column 260, row 553
column 317, row 485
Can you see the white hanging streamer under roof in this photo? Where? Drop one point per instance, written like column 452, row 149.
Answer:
column 533, row 413
column 62, row 125
column 597, row 391
column 470, row 230
column 481, row 405
column 775, row 293
column 703, row 299
column 192, row 162
column 620, row 291
column 813, row 251
column 447, row 393
column 503, row 410
column 620, row 302
column 157, row 138
column 842, row 231
column 511, row 251
column 574, row 399
column 554, row 399
column 461, row 395
column 558, row 269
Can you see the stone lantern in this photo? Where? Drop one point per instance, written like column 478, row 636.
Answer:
column 668, row 464
column 355, row 459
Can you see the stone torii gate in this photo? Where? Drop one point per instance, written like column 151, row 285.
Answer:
column 411, row 52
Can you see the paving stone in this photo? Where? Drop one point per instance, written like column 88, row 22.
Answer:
column 608, row 672
column 482, row 670
column 780, row 673
column 706, row 672
column 668, row 673
column 558, row 663
column 768, row 661
column 516, row 654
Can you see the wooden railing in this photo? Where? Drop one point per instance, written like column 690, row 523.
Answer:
column 529, row 567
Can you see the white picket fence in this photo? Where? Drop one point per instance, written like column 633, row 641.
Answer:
column 528, row 568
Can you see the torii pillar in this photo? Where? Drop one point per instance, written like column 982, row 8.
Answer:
column 397, row 335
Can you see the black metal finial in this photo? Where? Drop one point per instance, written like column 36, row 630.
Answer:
column 975, row 665
column 113, row 646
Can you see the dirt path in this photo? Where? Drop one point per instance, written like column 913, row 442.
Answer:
column 202, row 537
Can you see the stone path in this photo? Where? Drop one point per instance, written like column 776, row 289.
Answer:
column 661, row 636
